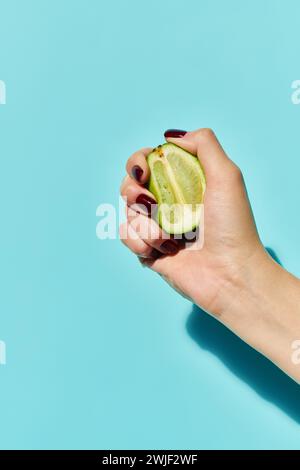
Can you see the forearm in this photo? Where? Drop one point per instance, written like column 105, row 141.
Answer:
column 262, row 306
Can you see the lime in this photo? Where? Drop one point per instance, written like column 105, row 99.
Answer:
column 178, row 183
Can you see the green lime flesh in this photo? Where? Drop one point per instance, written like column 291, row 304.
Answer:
column 178, row 183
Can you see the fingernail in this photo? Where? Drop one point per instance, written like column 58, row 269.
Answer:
column 176, row 133
column 137, row 172
column 155, row 254
column 169, row 246
column 147, row 202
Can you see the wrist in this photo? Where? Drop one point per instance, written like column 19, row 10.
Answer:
column 245, row 288
column 262, row 306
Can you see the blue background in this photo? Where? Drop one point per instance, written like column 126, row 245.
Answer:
column 100, row 352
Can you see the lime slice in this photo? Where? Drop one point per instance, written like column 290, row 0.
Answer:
column 178, row 183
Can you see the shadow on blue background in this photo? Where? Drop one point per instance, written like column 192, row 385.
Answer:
column 246, row 363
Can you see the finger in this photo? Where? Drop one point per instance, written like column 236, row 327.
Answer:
column 206, row 146
column 149, row 231
column 137, row 196
column 137, row 167
column 135, row 244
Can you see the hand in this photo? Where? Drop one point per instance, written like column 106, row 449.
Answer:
column 232, row 276
column 231, row 241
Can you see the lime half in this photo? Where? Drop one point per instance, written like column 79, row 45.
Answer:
column 178, row 183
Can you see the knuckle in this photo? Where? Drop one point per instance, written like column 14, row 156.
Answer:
column 236, row 173
column 123, row 190
column 206, row 134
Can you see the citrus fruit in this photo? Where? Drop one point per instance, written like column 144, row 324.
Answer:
column 178, row 183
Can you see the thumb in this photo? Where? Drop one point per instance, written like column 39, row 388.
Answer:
column 204, row 144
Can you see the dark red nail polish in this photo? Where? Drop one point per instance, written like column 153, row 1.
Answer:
column 155, row 254
column 169, row 247
column 147, row 203
column 176, row 133
column 137, row 172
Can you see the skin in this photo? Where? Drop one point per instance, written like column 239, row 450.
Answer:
column 231, row 277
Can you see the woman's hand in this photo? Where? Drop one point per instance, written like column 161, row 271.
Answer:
column 232, row 276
